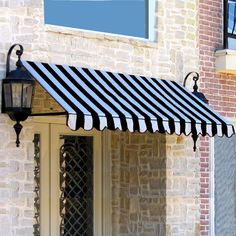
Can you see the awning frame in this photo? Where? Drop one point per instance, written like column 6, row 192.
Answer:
column 157, row 96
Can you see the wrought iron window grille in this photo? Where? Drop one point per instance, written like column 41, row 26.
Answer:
column 76, row 186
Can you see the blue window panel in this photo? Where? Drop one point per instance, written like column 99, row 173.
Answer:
column 231, row 17
column 232, row 43
column 231, row 25
column 126, row 17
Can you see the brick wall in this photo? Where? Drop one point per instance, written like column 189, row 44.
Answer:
column 170, row 57
column 219, row 89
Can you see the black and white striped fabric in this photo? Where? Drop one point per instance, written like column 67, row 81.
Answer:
column 100, row 99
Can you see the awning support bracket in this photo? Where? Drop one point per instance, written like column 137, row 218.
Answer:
column 195, row 138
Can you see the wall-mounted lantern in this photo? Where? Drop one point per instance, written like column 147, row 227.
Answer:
column 17, row 92
column 201, row 96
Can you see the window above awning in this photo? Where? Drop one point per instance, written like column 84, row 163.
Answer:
column 100, row 99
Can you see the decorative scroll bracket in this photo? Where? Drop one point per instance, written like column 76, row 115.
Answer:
column 195, row 138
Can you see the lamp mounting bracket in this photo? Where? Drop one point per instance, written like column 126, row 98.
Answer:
column 19, row 52
column 195, row 79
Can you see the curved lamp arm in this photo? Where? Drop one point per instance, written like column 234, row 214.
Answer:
column 195, row 79
column 19, row 52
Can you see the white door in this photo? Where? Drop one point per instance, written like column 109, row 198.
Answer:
column 70, row 181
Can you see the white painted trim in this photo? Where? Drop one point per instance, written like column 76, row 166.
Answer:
column 54, row 181
column 98, row 193
column 212, row 186
column 152, row 20
column 223, row 52
column 56, row 131
column 225, row 61
column 106, row 183
column 43, row 131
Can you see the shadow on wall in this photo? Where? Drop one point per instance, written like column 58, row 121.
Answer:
column 139, row 183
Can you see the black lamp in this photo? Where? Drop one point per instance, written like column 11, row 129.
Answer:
column 17, row 92
column 201, row 96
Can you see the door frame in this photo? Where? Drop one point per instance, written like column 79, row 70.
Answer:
column 103, row 211
column 43, row 130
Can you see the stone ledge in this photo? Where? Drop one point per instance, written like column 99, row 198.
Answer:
column 139, row 42
column 225, row 61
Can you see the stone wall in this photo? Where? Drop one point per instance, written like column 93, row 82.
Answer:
column 138, row 184
column 182, row 187
column 154, row 189
column 137, row 167
column 43, row 102
column 16, row 184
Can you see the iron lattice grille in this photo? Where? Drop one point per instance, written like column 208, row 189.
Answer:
column 36, row 142
column 76, row 185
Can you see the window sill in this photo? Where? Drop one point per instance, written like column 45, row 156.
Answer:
column 141, row 42
column 225, row 61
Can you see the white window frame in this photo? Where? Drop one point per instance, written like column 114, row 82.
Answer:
column 151, row 26
column 151, row 19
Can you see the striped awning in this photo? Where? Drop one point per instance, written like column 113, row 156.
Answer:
column 100, row 99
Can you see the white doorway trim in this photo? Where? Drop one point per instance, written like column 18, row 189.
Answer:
column 212, row 186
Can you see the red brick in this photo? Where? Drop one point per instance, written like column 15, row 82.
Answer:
column 219, row 89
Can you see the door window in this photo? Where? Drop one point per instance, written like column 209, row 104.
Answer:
column 76, row 185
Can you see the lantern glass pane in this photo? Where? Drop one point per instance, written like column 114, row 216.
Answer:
column 27, row 95
column 16, row 94
column 7, row 95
